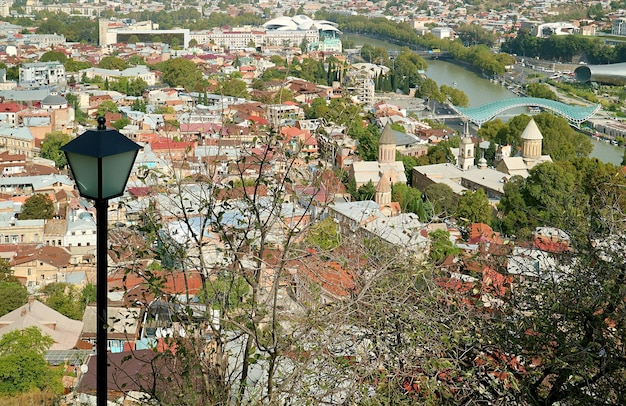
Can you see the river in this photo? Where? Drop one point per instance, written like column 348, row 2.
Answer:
column 480, row 91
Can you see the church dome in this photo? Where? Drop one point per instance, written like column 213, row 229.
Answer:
column 482, row 163
column 531, row 132
column 387, row 137
column 54, row 100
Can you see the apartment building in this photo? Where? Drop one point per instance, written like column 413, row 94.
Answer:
column 42, row 74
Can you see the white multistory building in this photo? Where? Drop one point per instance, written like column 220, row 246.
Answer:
column 42, row 74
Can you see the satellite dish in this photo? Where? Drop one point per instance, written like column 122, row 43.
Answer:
column 84, row 368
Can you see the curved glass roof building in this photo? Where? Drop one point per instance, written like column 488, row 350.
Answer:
column 614, row 73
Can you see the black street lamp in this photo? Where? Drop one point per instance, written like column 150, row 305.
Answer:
column 101, row 161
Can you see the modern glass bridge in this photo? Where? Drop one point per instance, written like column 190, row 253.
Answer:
column 481, row 114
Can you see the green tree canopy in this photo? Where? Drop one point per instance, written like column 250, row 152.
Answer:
column 12, row 295
column 50, row 147
column 107, row 106
column 38, row 206
column 233, row 87
column 457, row 97
column 138, row 105
column 551, row 190
column 366, row 191
column 65, row 299
column 442, row 200
column 72, row 65
column 6, row 273
column 22, row 364
column 121, row 123
column 473, row 34
column 53, row 56
column 324, row 235
column 112, row 62
column 226, row 290
column 317, row 109
column 410, row 200
column 541, row 90
column 367, row 146
column 474, row 207
column 181, row 72
column 441, row 247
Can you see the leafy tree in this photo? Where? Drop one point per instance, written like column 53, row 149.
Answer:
column 366, row 191
column 180, row 72
column 541, row 90
column 37, row 206
column 50, row 147
column 22, row 364
column 430, row 90
column 367, row 146
column 409, row 163
column 491, row 129
column 53, row 56
column 474, row 207
column 72, row 65
column 121, row 123
column 112, row 62
column 283, row 95
column 441, row 198
column 472, row 34
column 135, row 60
column 441, row 246
column 376, row 55
column 440, row 153
column 560, row 140
column 567, row 310
column 233, row 87
column 410, row 200
column 542, row 198
column 317, row 109
column 6, row 273
column 107, row 106
column 344, row 111
column 12, row 295
column 65, row 299
column 457, row 97
column 138, row 105
column 88, row 295
column 227, row 290
column 133, row 39
column 164, row 110
column 324, row 235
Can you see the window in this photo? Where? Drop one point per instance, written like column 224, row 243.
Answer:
column 84, row 232
column 6, row 239
column 73, row 233
column 28, row 272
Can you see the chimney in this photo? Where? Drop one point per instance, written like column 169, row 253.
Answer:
column 31, row 300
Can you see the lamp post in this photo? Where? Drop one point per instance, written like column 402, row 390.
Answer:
column 101, row 161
